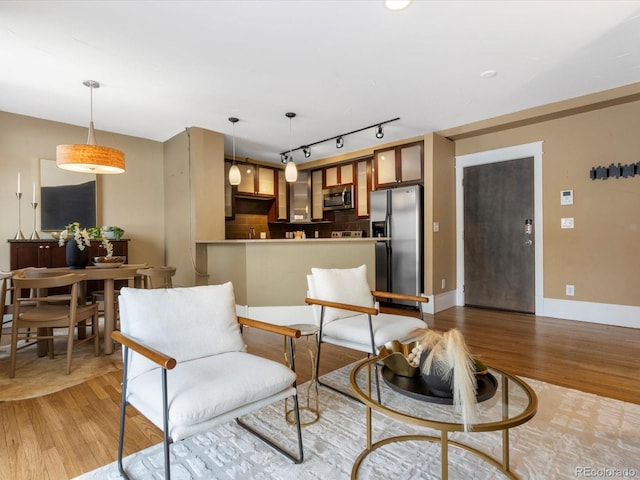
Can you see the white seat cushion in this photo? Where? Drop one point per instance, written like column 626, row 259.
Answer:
column 353, row 332
column 208, row 388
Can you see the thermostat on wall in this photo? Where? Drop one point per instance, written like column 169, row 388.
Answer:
column 566, row 197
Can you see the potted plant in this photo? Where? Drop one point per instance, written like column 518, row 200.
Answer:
column 77, row 240
column 113, row 232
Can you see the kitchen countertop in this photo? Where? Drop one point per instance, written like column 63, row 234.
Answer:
column 296, row 240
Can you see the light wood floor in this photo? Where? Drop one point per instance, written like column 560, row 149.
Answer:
column 64, row 434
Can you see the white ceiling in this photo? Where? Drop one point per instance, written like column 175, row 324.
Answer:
column 340, row 65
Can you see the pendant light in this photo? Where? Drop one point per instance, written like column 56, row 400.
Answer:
column 290, row 171
column 234, row 171
column 90, row 158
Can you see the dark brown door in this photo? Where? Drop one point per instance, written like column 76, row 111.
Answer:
column 499, row 255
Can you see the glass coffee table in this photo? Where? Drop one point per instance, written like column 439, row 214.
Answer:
column 505, row 402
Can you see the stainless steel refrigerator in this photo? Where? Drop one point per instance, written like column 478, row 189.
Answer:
column 397, row 213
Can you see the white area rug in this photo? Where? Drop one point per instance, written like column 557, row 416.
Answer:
column 573, row 435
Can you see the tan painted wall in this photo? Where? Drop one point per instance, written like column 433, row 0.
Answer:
column 194, row 199
column 440, row 207
column 132, row 200
column 600, row 255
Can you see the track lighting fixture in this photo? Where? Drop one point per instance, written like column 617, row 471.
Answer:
column 290, row 171
column 306, row 149
column 234, row 171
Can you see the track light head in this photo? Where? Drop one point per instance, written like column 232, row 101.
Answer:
column 339, row 142
column 306, row 151
column 284, row 157
column 379, row 132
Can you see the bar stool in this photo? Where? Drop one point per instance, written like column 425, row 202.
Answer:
column 309, row 409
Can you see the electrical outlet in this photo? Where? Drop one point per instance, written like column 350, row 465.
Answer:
column 436, row 228
column 570, row 290
column 444, row 283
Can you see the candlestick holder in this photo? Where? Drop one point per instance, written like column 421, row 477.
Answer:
column 19, row 235
column 34, row 235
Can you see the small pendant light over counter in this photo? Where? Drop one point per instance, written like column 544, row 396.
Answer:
column 290, row 171
column 90, row 158
column 234, row 172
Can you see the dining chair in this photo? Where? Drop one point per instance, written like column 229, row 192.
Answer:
column 348, row 314
column 188, row 370
column 157, row 277
column 5, row 289
column 37, row 313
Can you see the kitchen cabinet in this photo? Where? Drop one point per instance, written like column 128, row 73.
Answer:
column 400, row 165
column 228, row 193
column 363, row 187
column 282, row 197
column 300, row 190
column 316, row 195
column 338, row 175
column 256, row 180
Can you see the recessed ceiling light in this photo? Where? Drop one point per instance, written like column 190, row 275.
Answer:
column 396, row 5
column 489, row 74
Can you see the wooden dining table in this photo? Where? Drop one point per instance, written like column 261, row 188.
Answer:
column 108, row 276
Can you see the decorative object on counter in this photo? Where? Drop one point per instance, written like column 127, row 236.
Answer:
column 234, row 172
column 19, row 234
column 109, row 261
column 290, row 171
column 90, row 158
column 306, row 149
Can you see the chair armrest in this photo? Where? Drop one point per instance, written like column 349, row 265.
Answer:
column 269, row 327
column 342, row 306
column 160, row 358
column 400, row 296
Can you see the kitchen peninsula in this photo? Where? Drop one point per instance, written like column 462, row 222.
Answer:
column 273, row 272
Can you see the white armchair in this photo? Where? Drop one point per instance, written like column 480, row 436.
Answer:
column 186, row 368
column 346, row 311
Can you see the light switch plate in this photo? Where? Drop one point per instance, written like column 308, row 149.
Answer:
column 566, row 222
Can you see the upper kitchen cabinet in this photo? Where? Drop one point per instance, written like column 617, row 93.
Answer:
column 400, row 165
column 317, row 212
column 256, row 180
column 281, row 207
column 363, row 187
column 228, row 193
column 338, row 176
column 300, row 198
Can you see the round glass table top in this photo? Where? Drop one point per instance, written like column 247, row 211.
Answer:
column 503, row 400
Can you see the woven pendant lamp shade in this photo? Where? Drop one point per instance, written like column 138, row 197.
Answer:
column 90, row 159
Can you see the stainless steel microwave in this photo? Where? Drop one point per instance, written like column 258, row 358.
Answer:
column 337, row 198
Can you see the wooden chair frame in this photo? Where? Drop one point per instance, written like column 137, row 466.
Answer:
column 36, row 313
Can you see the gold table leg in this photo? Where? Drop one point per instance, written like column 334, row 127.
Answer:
column 311, row 401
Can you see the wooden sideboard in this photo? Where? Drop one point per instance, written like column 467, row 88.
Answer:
column 47, row 253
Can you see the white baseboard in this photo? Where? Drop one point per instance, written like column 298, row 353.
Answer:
column 603, row 313
column 438, row 303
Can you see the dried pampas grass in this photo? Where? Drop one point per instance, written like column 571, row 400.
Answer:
column 449, row 357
